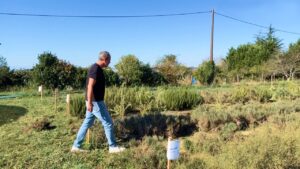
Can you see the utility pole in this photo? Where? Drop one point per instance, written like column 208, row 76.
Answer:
column 212, row 37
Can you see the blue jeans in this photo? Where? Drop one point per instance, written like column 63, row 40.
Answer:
column 99, row 111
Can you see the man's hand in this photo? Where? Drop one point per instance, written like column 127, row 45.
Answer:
column 90, row 107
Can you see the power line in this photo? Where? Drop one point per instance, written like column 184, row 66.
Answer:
column 143, row 16
column 104, row 16
column 254, row 24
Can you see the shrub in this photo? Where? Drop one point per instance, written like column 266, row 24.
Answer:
column 280, row 92
column 178, row 98
column 77, row 106
column 196, row 164
column 80, row 78
column 188, row 145
column 228, row 130
column 155, row 124
column 241, row 95
column 52, row 72
column 122, row 100
column 42, row 124
column 265, row 151
column 129, row 69
column 111, row 77
column 214, row 116
column 263, row 94
column 171, row 70
column 205, row 73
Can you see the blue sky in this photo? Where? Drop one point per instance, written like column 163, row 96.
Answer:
column 79, row 40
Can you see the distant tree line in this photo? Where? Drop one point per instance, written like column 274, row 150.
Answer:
column 53, row 72
column 262, row 60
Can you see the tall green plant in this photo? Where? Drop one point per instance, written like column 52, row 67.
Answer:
column 77, row 106
column 178, row 98
column 205, row 73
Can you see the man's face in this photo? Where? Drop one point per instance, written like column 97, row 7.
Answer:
column 107, row 62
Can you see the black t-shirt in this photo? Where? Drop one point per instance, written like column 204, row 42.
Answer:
column 96, row 72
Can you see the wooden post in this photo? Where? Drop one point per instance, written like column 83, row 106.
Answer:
column 169, row 161
column 271, row 79
column 41, row 92
column 169, row 164
column 68, row 103
column 212, row 37
column 55, row 99
column 88, row 136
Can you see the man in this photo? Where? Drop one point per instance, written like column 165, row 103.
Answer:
column 95, row 90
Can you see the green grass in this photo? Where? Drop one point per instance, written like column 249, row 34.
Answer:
column 271, row 140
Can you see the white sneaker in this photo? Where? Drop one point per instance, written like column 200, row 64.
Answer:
column 78, row 150
column 116, row 149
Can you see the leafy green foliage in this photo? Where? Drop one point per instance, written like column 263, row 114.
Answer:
column 228, row 130
column 4, row 72
column 206, row 72
column 249, row 58
column 129, row 70
column 171, row 70
column 52, row 72
column 178, row 98
column 21, row 77
column 155, row 124
column 111, row 77
column 80, row 78
column 77, row 106
column 151, row 77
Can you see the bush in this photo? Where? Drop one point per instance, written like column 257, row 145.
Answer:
column 111, row 77
column 122, row 100
column 80, row 78
column 156, row 124
column 77, row 106
column 52, row 72
column 188, row 145
column 43, row 123
column 171, row 70
column 196, row 164
column 178, row 98
column 262, row 152
column 129, row 69
column 214, row 116
column 241, row 95
column 205, row 73
column 4, row 72
column 228, row 130
column 263, row 94
column 151, row 77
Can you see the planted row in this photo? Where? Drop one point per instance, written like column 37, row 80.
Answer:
column 141, row 100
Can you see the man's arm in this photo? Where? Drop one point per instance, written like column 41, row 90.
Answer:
column 90, row 94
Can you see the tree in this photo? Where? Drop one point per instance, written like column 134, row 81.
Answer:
column 80, row 77
column 150, row 77
column 52, row 72
column 248, row 59
column 221, row 70
column 171, row 70
column 4, row 72
column 270, row 43
column 111, row 77
column 287, row 63
column 129, row 70
column 21, row 77
column 205, row 73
